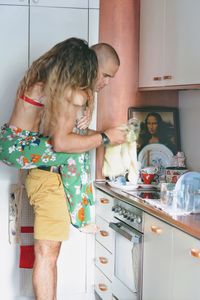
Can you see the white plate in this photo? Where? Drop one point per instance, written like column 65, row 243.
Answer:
column 128, row 187
column 147, row 186
column 157, row 155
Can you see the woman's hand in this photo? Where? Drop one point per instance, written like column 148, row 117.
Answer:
column 84, row 121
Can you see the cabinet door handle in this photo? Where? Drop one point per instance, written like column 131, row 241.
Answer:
column 195, row 253
column 167, row 77
column 156, row 229
column 103, row 260
column 157, row 78
column 104, row 201
column 104, row 233
column 103, row 287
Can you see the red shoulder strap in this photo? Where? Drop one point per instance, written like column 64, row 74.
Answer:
column 31, row 101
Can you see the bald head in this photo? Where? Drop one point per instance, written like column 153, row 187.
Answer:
column 108, row 64
column 105, row 52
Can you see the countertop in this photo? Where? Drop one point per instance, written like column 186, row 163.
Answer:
column 189, row 224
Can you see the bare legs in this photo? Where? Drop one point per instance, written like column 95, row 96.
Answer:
column 45, row 269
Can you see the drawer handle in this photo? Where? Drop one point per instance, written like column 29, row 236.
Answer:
column 157, row 78
column 166, row 77
column 103, row 260
column 195, row 253
column 103, row 287
column 104, row 233
column 156, row 229
column 104, row 201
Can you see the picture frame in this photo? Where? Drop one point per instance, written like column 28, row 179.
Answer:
column 157, row 125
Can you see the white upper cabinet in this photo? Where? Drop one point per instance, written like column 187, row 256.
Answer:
column 94, row 3
column 182, row 41
column 151, row 42
column 61, row 3
column 13, row 54
column 50, row 25
column 169, row 43
column 13, row 62
column 14, row 2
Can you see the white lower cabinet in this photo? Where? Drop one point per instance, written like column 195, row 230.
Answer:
column 157, row 263
column 105, row 236
column 104, row 204
column 171, row 258
column 186, row 267
column 104, row 246
column 102, row 285
column 171, row 266
column 104, row 260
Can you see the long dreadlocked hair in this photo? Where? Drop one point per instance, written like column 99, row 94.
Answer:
column 69, row 64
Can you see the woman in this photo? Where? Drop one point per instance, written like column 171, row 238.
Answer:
column 155, row 130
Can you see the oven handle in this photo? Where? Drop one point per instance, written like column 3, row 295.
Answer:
column 127, row 232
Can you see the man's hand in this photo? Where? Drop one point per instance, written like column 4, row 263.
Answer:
column 84, row 121
column 116, row 135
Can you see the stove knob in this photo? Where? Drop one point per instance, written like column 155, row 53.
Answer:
column 132, row 217
column 119, row 209
column 124, row 213
column 139, row 220
column 114, row 208
column 128, row 215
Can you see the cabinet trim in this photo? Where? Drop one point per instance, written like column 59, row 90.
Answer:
column 171, row 87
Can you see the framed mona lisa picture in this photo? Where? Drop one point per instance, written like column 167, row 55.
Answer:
column 157, row 125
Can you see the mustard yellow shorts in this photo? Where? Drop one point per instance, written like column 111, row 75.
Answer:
column 46, row 195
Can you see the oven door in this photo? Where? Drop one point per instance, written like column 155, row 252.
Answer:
column 127, row 279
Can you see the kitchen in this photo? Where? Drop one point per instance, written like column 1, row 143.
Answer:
column 29, row 42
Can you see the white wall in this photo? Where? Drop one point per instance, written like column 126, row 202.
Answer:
column 189, row 104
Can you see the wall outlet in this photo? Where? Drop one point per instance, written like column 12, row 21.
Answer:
column 14, row 213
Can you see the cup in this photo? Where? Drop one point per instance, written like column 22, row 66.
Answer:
column 147, row 178
column 148, row 174
column 166, row 193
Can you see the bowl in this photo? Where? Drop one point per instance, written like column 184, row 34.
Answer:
column 172, row 174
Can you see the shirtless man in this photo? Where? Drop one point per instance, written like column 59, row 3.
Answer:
column 61, row 105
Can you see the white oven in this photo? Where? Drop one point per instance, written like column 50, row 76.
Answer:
column 128, row 252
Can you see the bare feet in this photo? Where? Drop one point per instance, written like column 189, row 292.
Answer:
column 90, row 228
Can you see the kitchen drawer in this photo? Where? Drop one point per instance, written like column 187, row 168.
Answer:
column 102, row 285
column 104, row 260
column 104, row 204
column 105, row 235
